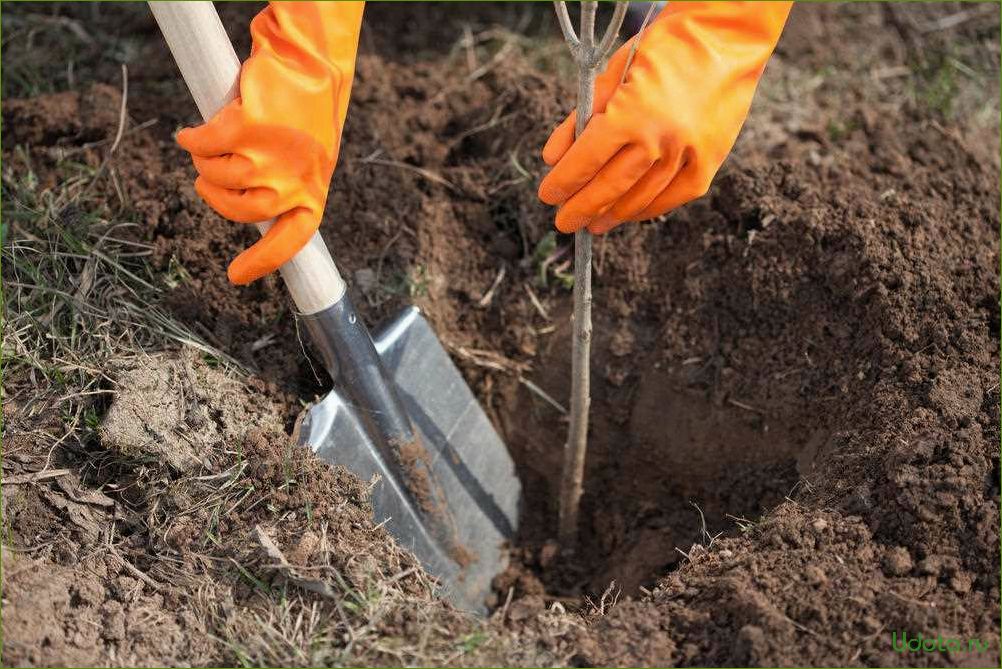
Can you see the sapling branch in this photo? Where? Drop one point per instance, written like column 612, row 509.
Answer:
column 609, row 38
column 587, row 30
column 588, row 57
column 564, row 19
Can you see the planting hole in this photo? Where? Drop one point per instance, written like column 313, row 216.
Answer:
column 665, row 455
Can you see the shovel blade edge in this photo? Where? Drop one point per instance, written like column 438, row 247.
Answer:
column 470, row 462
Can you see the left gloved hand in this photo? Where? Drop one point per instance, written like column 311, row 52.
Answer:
column 271, row 152
column 656, row 140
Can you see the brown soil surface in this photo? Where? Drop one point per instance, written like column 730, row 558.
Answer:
column 795, row 419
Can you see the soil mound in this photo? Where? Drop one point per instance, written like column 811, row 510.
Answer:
column 176, row 565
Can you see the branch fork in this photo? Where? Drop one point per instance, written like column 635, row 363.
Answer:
column 586, row 53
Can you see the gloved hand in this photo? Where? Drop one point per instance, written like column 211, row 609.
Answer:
column 656, row 140
column 271, row 152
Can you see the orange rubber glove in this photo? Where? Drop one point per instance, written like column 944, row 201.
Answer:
column 657, row 139
column 271, row 152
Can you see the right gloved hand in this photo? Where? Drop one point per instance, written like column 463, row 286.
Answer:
column 662, row 127
column 271, row 152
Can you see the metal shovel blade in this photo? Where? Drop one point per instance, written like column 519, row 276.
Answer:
column 468, row 459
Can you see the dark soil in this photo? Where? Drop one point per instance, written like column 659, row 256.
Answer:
column 794, row 448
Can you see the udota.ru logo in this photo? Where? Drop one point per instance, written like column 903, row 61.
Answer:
column 903, row 643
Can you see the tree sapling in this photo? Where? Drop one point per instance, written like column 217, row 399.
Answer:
column 588, row 56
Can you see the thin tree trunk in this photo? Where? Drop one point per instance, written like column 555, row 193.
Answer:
column 572, row 483
column 588, row 56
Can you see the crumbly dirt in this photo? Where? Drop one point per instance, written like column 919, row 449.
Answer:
column 413, row 458
column 794, row 448
column 161, row 416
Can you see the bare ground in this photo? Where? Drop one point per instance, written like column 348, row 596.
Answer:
column 795, row 449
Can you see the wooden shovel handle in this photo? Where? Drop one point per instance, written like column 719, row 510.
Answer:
column 211, row 69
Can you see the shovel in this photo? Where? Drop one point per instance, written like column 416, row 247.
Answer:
column 445, row 486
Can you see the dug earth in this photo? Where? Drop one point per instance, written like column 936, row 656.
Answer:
column 793, row 457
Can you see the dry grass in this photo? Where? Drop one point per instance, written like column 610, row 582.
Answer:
column 279, row 568
column 77, row 291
